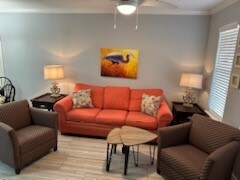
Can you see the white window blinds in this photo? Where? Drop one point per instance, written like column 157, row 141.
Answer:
column 223, row 68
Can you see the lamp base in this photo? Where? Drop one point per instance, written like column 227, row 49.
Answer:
column 55, row 95
column 187, row 105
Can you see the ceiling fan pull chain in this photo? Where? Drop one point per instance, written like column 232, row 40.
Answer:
column 136, row 27
column 115, row 19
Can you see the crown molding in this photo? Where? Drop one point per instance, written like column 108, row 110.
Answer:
column 222, row 6
column 85, row 11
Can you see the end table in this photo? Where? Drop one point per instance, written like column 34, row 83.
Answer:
column 183, row 114
column 45, row 101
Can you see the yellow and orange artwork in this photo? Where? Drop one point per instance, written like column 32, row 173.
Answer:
column 119, row 62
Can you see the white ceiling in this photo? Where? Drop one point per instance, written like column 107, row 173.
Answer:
column 107, row 6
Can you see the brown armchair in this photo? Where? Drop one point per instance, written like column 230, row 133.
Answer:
column 26, row 133
column 200, row 149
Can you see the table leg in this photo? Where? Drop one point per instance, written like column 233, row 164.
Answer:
column 115, row 148
column 135, row 158
column 126, row 159
column 152, row 154
column 109, row 157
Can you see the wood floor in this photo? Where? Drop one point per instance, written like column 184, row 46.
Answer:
column 83, row 158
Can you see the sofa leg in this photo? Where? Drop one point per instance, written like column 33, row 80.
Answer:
column 17, row 171
column 55, row 148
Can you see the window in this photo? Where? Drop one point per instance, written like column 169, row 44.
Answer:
column 228, row 36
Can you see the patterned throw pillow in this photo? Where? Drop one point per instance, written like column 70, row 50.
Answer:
column 150, row 104
column 82, row 99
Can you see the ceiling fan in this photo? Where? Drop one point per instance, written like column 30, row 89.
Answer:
column 128, row 7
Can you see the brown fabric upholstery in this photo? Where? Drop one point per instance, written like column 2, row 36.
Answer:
column 236, row 169
column 214, row 168
column 186, row 160
column 209, row 135
column 205, row 149
column 15, row 114
column 33, row 134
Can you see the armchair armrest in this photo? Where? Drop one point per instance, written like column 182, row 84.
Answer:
column 173, row 135
column 63, row 105
column 164, row 115
column 219, row 164
column 9, row 148
column 44, row 118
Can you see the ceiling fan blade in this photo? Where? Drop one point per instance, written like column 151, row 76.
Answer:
column 157, row 3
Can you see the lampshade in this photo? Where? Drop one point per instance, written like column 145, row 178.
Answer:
column 127, row 7
column 54, row 72
column 191, row 80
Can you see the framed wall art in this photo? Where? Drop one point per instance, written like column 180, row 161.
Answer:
column 235, row 80
column 121, row 63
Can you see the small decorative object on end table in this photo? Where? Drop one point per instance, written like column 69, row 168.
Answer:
column 46, row 101
column 190, row 81
column 53, row 73
column 183, row 114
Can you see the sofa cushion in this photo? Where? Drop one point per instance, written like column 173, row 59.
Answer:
column 141, row 120
column 112, row 117
column 186, row 160
column 31, row 137
column 87, row 115
column 96, row 93
column 116, row 98
column 136, row 97
column 209, row 135
column 15, row 114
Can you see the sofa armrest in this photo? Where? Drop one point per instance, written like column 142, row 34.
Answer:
column 63, row 105
column 44, row 118
column 164, row 115
column 219, row 164
column 173, row 135
column 9, row 148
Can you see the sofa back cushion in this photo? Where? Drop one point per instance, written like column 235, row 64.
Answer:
column 96, row 93
column 208, row 135
column 116, row 98
column 15, row 114
column 136, row 97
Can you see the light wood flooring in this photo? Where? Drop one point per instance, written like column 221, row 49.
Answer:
column 83, row 158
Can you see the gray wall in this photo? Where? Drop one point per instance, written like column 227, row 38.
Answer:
column 227, row 16
column 168, row 45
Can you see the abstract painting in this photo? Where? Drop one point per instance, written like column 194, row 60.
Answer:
column 121, row 63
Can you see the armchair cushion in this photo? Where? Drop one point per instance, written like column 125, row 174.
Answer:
column 173, row 135
column 202, row 136
column 15, row 114
column 186, row 160
column 141, row 120
column 31, row 137
column 44, row 118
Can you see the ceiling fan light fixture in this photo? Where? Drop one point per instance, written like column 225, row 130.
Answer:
column 127, row 7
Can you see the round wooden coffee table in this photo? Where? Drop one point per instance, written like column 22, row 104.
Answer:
column 128, row 136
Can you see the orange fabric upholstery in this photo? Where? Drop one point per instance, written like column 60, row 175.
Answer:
column 112, row 117
column 96, row 93
column 116, row 98
column 136, row 97
column 141, row 120
column 111, row 110
column 164, row 115
column 83, row 114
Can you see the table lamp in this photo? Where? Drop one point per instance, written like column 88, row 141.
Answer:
column 54, row 73
column 190, row 81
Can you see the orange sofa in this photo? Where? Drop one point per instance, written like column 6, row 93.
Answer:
column 113, row 107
